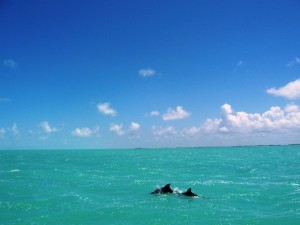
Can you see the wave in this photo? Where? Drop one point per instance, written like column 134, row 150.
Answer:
column 14, row 171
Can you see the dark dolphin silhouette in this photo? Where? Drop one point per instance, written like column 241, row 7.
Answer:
column 163, row 190
column 190, row 193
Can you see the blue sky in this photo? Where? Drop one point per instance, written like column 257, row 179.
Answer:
column 125, row 74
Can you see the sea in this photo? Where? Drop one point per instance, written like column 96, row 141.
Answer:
column 236, row 185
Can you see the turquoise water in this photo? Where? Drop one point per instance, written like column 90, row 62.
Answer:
column 241, row 185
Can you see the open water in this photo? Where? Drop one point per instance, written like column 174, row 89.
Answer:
column 239, row 185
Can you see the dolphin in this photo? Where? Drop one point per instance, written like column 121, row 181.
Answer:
column 163, row 190
column 190, row 193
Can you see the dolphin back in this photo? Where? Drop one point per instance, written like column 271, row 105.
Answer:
column 163, row 190
column 190, row 193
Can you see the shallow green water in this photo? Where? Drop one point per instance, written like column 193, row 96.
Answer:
column 241, row 185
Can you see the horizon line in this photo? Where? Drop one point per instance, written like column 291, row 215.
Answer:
column 151, row 148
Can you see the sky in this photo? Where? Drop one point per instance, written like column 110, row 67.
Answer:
column 148, row 74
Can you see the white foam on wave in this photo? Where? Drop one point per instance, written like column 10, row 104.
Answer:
column 217, row 181
column 139, row 181
column 14, row 171
column 176, row 190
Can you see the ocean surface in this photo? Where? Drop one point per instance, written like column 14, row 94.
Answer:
column 237, row 185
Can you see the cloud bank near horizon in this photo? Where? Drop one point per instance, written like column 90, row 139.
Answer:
column 276, row 120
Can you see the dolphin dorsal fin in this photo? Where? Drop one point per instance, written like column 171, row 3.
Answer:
column 189, row 190
column 167, row 188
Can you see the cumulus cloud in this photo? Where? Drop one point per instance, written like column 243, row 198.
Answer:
column 238, row 124
column 117, row 129
column 290, row 91
column 12, row 130
column 275, row 119
column 106, row 109
column 224, row 130
column 147, row 72
column 164, row 131
column 211, row 125
column 15, row 129
column 226, row 108
column 175, row 114
column 292, row 108
column 85, row 132
column 191, row 131
column 294, row 62
column 45, row 126
column 10, row 63
column 154, row 113
column 134, row 126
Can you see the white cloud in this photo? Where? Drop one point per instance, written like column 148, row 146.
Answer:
column 10, row 63
column 226, row 108
column 118, row 129
column 294, row 62
column 154, row 113
column 191, row 131
column 15, row 129
column 290, row 91
column 147, row 72
column 85, row 132
column 134, row 126
column 164, row 131
column 275, row 119
column 106, row 109
column 240, row 127
column 45, row 126
column 177, row 114
column 211, row 125
column 12, row 130
column 290, row 108
column 223, row 130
